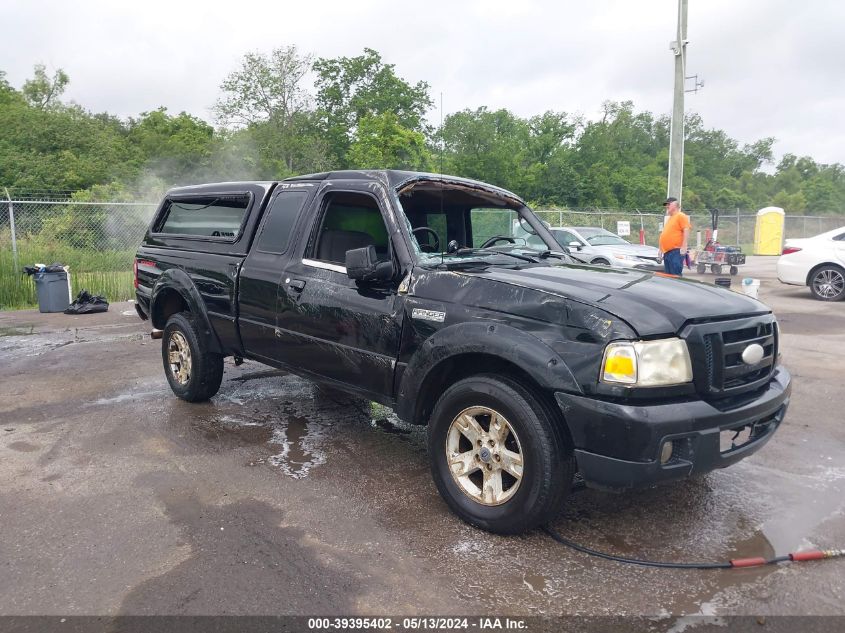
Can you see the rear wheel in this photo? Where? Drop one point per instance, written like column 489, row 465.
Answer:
column 734, row 270
column 827, row 283
column 497, row 456
column 701, row 268
column 716, row 269
column 193, row 371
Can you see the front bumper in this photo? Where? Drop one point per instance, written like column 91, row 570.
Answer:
column 618, row 445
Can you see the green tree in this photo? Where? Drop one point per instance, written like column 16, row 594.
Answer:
column 380, row 142
column 486, row 145
column 171, row 147
column 60, row 147
column 42, row 91
column 268, row 96
column 351, row 88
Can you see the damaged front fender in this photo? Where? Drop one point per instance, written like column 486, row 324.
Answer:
column 475, row 339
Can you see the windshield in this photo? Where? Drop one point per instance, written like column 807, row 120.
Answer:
column 601, row 237
column 451, row 224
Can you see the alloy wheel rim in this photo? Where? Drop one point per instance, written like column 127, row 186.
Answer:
column 179, row 357
column 829, row 283
column 484, row 456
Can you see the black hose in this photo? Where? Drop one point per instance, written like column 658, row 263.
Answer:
column 636, row 561
column 736, row 563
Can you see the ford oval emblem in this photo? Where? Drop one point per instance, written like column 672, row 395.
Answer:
column 752, row 354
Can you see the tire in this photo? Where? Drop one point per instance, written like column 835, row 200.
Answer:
column 600, row 262
column 716, row 269
column 701, row 268
column 194, row 372
column 546, row 465
column 734, row 271
column 827, row 283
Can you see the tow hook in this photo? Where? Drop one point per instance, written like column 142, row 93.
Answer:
column 156, row 334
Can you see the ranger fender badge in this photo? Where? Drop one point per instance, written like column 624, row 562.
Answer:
column 428, row 315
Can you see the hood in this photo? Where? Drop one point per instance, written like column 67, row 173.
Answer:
column 649, row 303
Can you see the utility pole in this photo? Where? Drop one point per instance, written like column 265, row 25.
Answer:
column 676, row 138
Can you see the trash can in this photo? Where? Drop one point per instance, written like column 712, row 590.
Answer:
column 53, row 291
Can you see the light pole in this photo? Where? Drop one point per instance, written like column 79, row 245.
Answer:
column 676, row 138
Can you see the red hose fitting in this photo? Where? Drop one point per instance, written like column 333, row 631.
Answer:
column 816, row 554
column 747, row 562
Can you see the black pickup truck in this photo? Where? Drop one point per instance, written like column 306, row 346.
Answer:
column 429, row 294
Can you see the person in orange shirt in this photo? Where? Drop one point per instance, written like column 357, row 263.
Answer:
column 674, row 238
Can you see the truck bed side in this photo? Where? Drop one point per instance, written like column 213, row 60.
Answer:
column 186, row 263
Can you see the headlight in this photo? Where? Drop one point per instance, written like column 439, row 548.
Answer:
column 647, row 363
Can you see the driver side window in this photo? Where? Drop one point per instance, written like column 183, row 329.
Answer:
column 350, row 221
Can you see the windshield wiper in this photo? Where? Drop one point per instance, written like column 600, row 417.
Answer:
column 547, row 253
column 484, row 251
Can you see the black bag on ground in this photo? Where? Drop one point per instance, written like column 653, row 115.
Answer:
column 86, row 303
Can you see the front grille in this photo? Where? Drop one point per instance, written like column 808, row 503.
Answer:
column 717, row 350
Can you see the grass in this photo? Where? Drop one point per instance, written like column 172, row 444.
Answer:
column 102, row 272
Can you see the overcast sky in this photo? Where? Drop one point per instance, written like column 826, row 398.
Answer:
column 770, row 67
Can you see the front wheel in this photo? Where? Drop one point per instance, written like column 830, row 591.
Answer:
column 193, row 371
column 498, row 458
column 828, row 283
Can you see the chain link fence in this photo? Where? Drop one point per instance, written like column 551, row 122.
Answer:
column 735, row 228
column 97, row 240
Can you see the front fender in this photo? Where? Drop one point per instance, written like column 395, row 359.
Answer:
column 529, row 353
column 177, row 280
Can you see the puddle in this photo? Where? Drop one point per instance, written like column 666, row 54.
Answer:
column 18, row 342
column 300, row 415
column 245, row 433
column 301, row 443
column 128, row 397
column 534, row 582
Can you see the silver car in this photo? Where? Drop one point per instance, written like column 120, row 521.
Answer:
column 599, row 246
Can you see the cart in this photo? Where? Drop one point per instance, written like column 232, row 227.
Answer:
column 715, row 257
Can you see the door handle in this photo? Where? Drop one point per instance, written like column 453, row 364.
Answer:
column 296, row 284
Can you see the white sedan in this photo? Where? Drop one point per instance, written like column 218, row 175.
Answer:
column 818, row 262
column 599, row 246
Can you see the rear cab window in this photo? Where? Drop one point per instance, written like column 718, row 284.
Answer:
column 205, row 216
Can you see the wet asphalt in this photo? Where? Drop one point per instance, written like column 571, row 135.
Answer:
column 281, row 497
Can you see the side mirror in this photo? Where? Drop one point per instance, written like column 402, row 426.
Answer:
column 362, row 265
column 575, row 245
